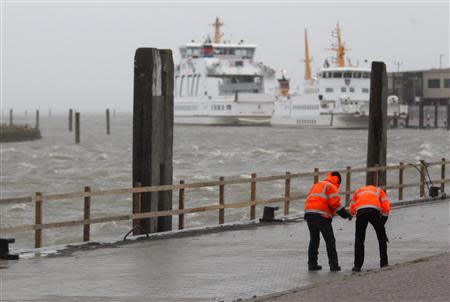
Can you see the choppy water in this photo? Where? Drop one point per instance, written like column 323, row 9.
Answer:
column 56, row 165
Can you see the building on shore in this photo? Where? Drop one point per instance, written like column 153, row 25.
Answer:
column 428, row 86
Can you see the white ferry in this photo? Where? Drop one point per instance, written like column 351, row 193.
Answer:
column 219, row 83
column 337, row 98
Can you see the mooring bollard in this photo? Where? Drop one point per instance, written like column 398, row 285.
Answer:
column 70, row 119
column 77, row 127
column 37, row 119
column 108, row 130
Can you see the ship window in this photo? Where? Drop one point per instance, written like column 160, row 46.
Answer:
column 220, row 51
column 329, row 90
column 337, row 75
column 447, row 83
column 365, row 90
column 228, row 107
column 347, row 74
column 434, row 83
column 357, row 75
column 343, row 89
column 352, row 89
column 366, row 75
column 239, row 63
column 230, row 51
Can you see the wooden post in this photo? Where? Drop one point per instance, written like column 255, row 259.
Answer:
column 377, row 138
column 10, row 117
column 87, row 215
column 448, row 116
column 443, row 176
column 70, row 119
column 316, row 175
column 348, row 185
column 37, row 119
column 422, row 178
column 38, row 220
column 253, row 197
column 108, row 129
column 153, row 132
column 136, row 210
column 221, row 201
column 181, row 206
column 421, row 114
column 436, row 114
column 400, row 181
column 287, row 193
column 77, row 127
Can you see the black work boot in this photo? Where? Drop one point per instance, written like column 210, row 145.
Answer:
column 335, row 268
column 356, row 269
column 314, row 267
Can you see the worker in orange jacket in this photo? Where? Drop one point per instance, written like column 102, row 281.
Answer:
column 322, row 203
column 370, row 204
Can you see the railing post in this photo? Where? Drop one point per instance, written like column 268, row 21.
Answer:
column 87, row 215
column 38, row 220
column 316, row 175
column 422, row 178
column 348, row 185
column 221, row 201
column 253, row 197
column 377, row 174
column 287, row 193
column 181, row 206
column 443, row 175
column 137, row 210
column 400, row 181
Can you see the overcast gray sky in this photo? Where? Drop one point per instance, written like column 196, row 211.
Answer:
column 80, row 54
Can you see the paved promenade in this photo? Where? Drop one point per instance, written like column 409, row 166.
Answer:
column 225, row 266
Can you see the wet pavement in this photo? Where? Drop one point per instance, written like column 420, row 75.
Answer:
column 226, row 266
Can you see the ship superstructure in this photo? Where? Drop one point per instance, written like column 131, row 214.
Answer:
column 219, row 83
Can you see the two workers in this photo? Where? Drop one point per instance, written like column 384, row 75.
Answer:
column 369, row 204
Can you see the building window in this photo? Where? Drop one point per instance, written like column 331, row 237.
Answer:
column 434, row 83
column 328, row 89
column 446, row 83
column 365, row 90
column 343, row 89
column 352, row 89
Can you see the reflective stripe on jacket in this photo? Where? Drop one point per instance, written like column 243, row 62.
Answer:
column 370, row 197
column 323, row 198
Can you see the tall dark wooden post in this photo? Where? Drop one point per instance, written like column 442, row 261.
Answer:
column 153, row 131
column 70, row 119
column 448, row 116
column 77, row 127
column 37, row 119
column 436, row 114
column 376, row 148
column 421, row 114
column 108, row 128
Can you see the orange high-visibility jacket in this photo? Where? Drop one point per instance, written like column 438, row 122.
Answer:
column 370, row 197
column 323, row 197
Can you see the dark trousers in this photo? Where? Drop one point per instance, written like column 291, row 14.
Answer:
column 318, row 224
column 363, row 217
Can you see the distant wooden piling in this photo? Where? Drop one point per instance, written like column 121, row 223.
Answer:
column 87, row 215
column 108, row 129
column 448, row 117
column 395, row 120
column 377, row 138
column 70, row 119
column 77, row 127
column 443, row 176
column 287, row 193
column 181, row 206
column 316, row 175
column 38, row 220
column 37, row 119
column 221, row 201
column 348, row 186
column 253, row 197
column 10, row 117
column 422, row 179
column 400, row 181
column 436, row 114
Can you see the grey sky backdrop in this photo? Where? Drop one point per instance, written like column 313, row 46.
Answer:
column 80, row 55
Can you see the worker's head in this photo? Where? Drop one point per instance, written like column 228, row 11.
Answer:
column 334, row 177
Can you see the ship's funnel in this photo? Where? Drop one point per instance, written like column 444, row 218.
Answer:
column 283, row 85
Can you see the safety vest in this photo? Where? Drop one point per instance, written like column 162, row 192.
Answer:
column 370, row 197
column 323, row 198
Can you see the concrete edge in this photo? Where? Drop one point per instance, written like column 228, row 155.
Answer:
column 343, row 276
column 68, row 249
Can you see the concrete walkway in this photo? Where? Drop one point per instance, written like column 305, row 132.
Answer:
column 425, row 279
column 227, row 266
